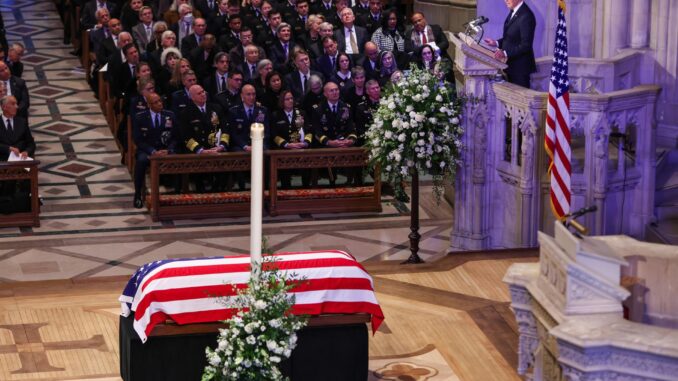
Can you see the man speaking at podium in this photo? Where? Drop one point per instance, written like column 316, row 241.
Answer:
column 516, row 45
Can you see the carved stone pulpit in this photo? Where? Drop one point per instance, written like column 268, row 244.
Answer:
column 478, row 69
column 570, row 316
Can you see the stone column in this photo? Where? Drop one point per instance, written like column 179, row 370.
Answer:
column 616, row 21
column 640, row 23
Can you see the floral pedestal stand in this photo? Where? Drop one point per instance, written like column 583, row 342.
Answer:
column 414, row 222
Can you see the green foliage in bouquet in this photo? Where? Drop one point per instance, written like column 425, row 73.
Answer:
column 417, row 124
column 261, row 334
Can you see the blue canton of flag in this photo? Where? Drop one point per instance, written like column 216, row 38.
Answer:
column 559, row 76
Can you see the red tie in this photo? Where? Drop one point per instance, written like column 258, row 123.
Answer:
column 423, row 38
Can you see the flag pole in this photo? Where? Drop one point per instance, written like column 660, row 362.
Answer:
column 256, row 196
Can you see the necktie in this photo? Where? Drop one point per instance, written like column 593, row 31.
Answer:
column 157, row 120
column 334, row 109
column 304, row 18
column 305, row 84
column 186, row 26
column 202, row 109
column 424, row 41
column 223, row 83
column 148, row 33
column 133, row 67
column 253, row 68
column 211, row 4
column 286, row 47
column 9, row 125
column 354, row 44
column 115, row 41
column 249, row 114
column 289, row 117
column 332, row 61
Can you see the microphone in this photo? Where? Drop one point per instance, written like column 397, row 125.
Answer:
column 479, row 21
column 583, row 211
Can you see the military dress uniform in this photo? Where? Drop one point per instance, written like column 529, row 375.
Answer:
column 150, row 136
column 328, row 125
column 364, row 114
column 239, row 125
column 286, row 131
column 290, row 130
column 200, row 130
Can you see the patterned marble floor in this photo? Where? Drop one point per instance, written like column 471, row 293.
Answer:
column 447, row 320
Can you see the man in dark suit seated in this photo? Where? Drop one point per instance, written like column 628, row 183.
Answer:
column 230, row 38
column 109, row 45
column 123, row 83
column 350, row 38
column 14, row 54
column 202, row 57
column 281, row 49
column 88, row 18
column 217, row 23
column 372, row 19
column 371, row 60
column 298, row 80
column 16, row 139
column 217, row 82
column 241, row 117
column 516, row 44
column 269, row 34
column 194, row 39
column 154, row 135
column 423, row 33
column 17, row 88
column 297, row 18
column 327, row 63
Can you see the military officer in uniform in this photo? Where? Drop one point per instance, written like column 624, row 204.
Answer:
column 365, row 110
column 287, row 125
column 332, row 120
column 203, row 129
column 154, row 135
column 241, row 116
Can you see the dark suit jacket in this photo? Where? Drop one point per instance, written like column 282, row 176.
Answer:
column 276, row 53
column 439, row 36
column 123, row 83
column 360, row 35
column 202, row 66
column 247, row 75
column 293, row 81
column 20, row 92
column 367, row 21
column 239, row 126
column 89, row 19
column 96, row 36
column 180, row 101
column 324, row 65
column 517, row 42
column 188, row 44
column 282, row 129
column 106, row 50
column 370, row 73
column 205, row 10
column 211, row 85
column 20, row 137
column 16, row 68
column 328, row 126
column 149, row 138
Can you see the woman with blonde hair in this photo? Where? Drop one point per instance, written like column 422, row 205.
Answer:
column 181, row 67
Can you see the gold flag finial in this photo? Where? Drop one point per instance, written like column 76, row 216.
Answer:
column 561, row 4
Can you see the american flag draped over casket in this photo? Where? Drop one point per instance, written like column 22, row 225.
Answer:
column 186, row 290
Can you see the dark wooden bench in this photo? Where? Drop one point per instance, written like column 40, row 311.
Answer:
column 18, row 171
column 197, row 205
column 321, row 200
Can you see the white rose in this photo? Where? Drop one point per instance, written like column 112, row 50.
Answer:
column 455, row 120
column 442, row 164
column 419, row 117
column 251, row 340
column 388, row 168
column 421, row 142
column 275, row 359
column 439, row 98
column 260, row 305
column 402, row 137
column 271, row 345
column 405, row 125
column 391, row 106
column 388, row 134
column 428, row 163
column 409, row 108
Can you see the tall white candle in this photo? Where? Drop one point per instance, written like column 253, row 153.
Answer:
column 257, row 179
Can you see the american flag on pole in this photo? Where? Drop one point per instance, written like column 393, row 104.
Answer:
column 186, row 291
column 557, row 137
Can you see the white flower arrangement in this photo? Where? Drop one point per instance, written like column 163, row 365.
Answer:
column 417, row 124
column 261, row 334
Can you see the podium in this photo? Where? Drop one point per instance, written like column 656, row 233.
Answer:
column 570, row 317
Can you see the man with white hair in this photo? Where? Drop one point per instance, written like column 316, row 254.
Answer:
column 193, row 40
column 249, row 65
column 143, row 31
column 201, row 123
column 350, row 37
column 184, row 26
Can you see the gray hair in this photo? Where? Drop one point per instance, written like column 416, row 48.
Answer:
column 5, row 99
column 263, row 63
column 159, row 24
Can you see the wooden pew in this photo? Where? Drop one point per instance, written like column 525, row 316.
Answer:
column 321, row 200
column 18, row 171
column 198, row 205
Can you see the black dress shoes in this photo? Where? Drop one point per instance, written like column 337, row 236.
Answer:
column 138, row 203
